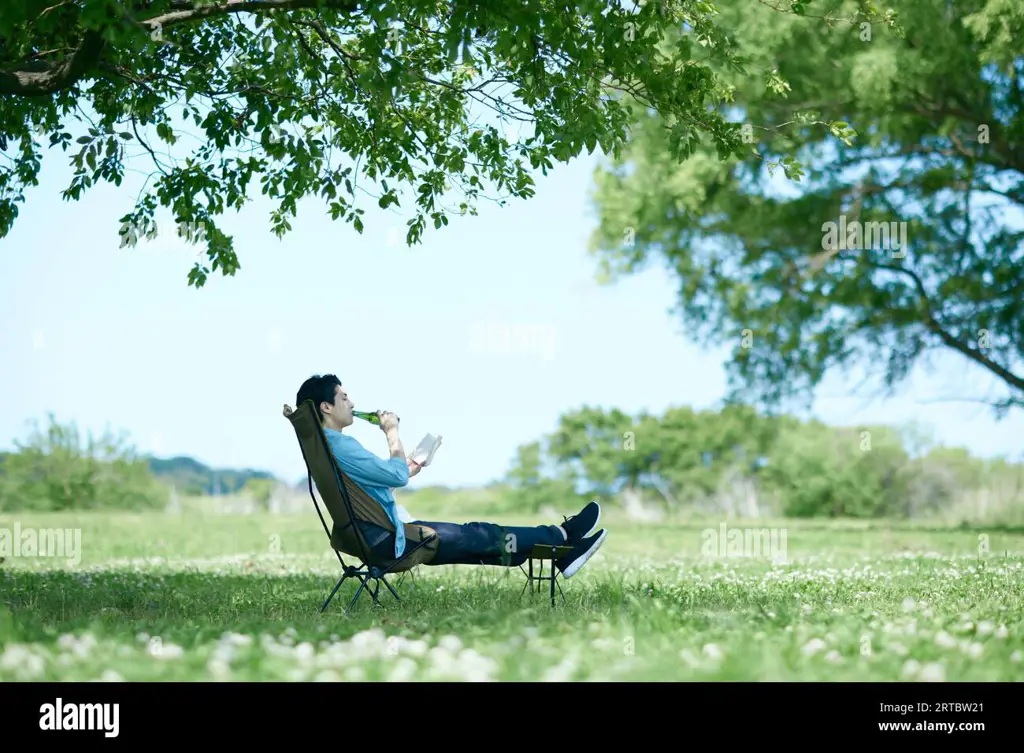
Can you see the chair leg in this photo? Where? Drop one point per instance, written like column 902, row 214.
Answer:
column 392, row 590
column 411, row 574
column 529, row 579
column 343, row 577
column 362, row 585
column 375, row 574
column 364, row 581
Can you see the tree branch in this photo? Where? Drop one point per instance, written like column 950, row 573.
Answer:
column 52, row 78
column 950, row 341
column 243, row 6
column 36, row 81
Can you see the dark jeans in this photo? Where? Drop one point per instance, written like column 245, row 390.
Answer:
column 472, row 543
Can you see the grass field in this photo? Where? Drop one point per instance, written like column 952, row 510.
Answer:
column 219, row 597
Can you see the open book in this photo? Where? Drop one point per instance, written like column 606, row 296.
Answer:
column 424, row 452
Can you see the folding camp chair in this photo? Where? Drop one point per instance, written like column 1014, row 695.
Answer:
column 347, row 503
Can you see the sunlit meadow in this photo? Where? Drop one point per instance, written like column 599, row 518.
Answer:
column 236, row 597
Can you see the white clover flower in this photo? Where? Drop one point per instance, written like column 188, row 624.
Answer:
column 713, row 652
column 22, row 661
column 218, row 669
column 974, row 650
column 932, row 672
column 235, row 639
column 813, row 646
column 165, row 651
column 404, row 670
column 561, row 672
column 911, row 667
column 415, row 648
column 305, row 652
column 451, row 643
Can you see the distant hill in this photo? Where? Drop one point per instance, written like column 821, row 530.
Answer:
column 189, row 476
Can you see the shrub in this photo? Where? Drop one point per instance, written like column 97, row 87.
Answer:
column 52, row 470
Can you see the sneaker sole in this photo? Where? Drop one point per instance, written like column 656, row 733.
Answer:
column 582, row 559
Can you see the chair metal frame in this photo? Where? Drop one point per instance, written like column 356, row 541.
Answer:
column 368, row 570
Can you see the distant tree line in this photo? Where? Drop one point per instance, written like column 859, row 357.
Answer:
column 56, row 468
column 755, row 463
column 734, row 460
column 189, row 476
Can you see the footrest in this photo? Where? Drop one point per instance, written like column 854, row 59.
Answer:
column 549, row 551
column 542, row 553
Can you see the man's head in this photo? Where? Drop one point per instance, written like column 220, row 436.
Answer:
column 329, row 398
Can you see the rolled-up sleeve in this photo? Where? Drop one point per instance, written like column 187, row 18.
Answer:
column 367, row 469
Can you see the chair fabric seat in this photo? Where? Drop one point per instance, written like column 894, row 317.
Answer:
column 345, row 542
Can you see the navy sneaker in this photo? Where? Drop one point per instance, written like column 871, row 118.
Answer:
column 571, row 563
column 582, row 523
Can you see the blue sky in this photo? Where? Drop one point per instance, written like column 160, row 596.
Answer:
column 114, row 338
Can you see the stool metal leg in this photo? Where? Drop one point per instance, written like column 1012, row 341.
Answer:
column 553, row 575
column 539, row 577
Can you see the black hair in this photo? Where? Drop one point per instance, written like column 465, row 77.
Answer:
column 319, row 389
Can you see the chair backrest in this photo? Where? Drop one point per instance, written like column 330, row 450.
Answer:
column 345, row 501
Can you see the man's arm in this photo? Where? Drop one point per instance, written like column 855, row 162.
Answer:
column 367, row 469
column 395, row 444
column 389, row 425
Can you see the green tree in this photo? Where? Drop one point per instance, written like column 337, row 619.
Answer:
column 680, row 457
column 53, row 469
column 698, row 448
column 800, row 468
column 302, row 98
column 819, row 470
column 261, row 490
column 531, row 486
column 898, row 238
column 592, row 444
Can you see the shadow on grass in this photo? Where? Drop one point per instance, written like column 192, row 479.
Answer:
column 196, row 607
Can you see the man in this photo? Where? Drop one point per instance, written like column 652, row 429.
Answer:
column 459, row 544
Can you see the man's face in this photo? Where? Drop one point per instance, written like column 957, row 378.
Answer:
column 338, row 415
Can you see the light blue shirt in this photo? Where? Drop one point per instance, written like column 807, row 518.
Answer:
column 376, row 476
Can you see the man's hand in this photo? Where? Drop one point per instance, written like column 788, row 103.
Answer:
column 388, row 421
column 414, row 467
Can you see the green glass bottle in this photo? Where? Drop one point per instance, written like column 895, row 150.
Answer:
column 373, row 418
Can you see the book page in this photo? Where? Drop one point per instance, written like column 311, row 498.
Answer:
column 425, row 450
column 433, row 449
